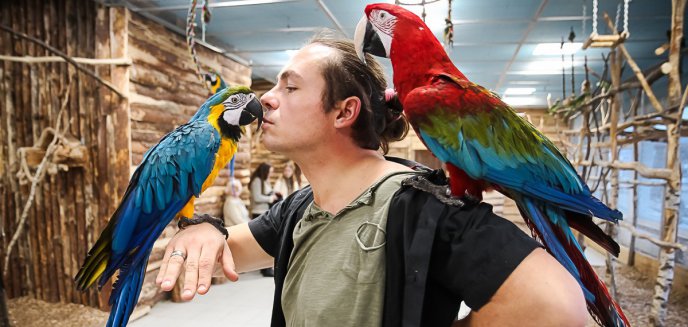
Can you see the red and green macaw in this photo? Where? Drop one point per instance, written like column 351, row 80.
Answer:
column 485, row 145
column 171, row 175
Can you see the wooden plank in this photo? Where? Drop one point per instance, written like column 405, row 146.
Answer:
column 102, row 172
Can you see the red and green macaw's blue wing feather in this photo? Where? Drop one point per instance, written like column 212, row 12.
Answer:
column 169, row 175
column 470, row 128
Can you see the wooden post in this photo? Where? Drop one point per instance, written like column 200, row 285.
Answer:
column 615, row 66
column 634, row 199
column 119, row 126
column 672, row 191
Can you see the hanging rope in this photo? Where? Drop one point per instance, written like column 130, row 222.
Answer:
column 625, row 25
column 449, row 28
column 191, row 41
column 422, row 3
column 594, row 17
column 626, row 33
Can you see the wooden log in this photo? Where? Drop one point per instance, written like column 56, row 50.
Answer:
column 672, row 193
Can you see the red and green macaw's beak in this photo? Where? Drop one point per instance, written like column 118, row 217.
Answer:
column 253, row 111
column 367, row 39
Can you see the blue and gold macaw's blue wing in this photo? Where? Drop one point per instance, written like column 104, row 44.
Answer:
column 169, row 175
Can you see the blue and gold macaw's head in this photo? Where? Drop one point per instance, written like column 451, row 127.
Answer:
column 215, row 82
column 230, row 109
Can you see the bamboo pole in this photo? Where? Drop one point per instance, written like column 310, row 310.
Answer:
column 672, row 192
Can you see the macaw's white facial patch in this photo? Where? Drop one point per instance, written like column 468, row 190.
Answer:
column 383, row 23
column 234, row 105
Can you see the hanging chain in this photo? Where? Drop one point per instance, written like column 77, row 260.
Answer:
column 594, row 17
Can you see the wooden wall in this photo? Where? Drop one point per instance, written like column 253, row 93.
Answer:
column 73, row 206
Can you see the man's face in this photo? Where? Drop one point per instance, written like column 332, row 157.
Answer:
column 295, row 119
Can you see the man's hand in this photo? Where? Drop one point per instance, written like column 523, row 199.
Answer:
column 201, row 247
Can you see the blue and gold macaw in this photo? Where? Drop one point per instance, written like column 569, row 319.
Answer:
column 215, row 82
column 172, row 173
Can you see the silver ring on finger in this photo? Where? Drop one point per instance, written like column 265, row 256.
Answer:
column 179, row 253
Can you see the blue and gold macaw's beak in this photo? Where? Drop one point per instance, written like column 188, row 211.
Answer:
column 252, row 111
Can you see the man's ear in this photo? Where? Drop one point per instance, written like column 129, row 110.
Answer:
column 347, row 112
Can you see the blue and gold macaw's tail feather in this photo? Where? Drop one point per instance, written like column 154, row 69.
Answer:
column 550, row 225
column 112, row 249
column 125, row 293
column 96, row 260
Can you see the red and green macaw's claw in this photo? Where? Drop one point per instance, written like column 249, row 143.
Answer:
column 485, row 144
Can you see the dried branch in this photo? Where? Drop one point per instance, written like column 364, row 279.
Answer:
column 638, row 73
column 86, row 61
column 40, row 174
column 65, row 57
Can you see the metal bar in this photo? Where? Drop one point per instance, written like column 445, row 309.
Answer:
column 530, row 27
column 221, row 4
column 331, row 16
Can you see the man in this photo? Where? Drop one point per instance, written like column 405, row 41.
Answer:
column 358, row 248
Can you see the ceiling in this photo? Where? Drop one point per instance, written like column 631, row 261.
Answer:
column 494, row 40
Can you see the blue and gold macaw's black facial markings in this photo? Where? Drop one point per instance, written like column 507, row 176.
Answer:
column 240, row 108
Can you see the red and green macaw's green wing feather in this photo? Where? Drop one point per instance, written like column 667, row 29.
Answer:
column 472, row 129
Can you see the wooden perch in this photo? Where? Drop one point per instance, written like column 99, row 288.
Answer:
column 645, row 171
column 69, row 151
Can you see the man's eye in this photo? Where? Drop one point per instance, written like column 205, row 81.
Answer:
column 290, row 89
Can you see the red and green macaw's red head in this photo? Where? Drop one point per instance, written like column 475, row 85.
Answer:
column 390, row 31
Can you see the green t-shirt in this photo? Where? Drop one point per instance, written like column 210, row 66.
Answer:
column 336, row 273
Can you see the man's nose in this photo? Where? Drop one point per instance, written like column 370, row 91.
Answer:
column 268, row 101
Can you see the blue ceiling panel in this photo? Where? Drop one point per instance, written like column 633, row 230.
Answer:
column 494, row 39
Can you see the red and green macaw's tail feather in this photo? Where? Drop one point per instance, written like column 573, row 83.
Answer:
column 550, row 225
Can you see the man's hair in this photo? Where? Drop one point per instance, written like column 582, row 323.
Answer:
column 379, row 121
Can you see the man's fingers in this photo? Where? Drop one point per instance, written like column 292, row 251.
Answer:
column 228, row 264
column 172, row 271
column 163, row 266
column 191, row 275
column 206, row 264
